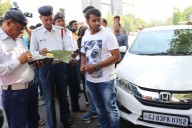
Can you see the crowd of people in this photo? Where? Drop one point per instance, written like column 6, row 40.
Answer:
column 94, row 51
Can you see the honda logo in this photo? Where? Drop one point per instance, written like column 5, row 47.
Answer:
column 165, row 96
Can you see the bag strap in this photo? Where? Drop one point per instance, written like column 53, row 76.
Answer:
column 62, row 33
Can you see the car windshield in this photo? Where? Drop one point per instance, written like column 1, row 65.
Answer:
column 163, row 42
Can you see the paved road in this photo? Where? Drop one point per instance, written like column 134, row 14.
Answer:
column 76, row 117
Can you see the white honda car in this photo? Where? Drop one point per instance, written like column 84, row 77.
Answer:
column 154, row 79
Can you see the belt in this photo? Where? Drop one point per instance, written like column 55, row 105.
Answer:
column 19, row 86
column 56, row 62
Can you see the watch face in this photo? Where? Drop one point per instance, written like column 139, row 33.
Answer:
column 97, row 67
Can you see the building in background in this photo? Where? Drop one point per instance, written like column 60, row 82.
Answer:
column 122, row 7
column 111, row 7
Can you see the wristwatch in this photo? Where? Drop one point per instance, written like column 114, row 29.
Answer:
column 97, row 68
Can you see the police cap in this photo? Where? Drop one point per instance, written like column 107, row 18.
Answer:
column 45, row 10
column 58, row 16
column 16, row 15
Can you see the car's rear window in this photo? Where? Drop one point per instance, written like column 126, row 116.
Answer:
column 163, row 42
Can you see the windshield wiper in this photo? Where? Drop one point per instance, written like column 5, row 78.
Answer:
column 183, row 53
column 153, row 54
column 169, row 53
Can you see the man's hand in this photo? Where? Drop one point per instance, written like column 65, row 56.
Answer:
column 90, row 68
column 74, row 55
column 38, row 64
column 26, row 56
column 43, row 51
column 73, row 62
column 82, row 69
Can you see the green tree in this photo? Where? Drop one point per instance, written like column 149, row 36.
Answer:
column 178, row 16
column 129, row 22
column 140, row 23
column 169, row 21
column 109, row 19
column 187, row 11
column 4, row 6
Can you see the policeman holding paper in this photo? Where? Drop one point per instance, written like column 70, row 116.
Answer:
column 19, row 95
column 43, row 39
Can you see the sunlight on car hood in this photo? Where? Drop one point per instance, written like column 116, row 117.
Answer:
column 157, row 72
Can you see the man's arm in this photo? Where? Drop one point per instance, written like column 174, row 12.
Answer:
column 34, row 47
column 9, row 67
column 115, row 57
column 83, row 63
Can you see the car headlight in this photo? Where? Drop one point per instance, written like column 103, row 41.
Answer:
column 127, row 86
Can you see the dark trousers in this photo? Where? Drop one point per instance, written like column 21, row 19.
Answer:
column 84, row 87
column 38, row 82
column 82, row 77
column 51, row 77
column 74, row 84
column 21, row 107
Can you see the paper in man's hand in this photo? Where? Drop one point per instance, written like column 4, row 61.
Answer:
column 62, row 55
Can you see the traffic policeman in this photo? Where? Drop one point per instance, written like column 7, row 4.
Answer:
column 43, row 39
column 19, row 95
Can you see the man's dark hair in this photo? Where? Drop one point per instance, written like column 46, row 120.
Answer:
column 1, row 19
column 116, row 17
column 38, row 25
column 93, row 11
column 32, row 27
column 87, row 8
column 71, row 22
column 189, row 23
column 104, row 20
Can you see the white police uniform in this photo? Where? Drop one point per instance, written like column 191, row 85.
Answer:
column 20, row 96
column 53, row 74
column 11, row 71
column 53, row 40
column 42, row 38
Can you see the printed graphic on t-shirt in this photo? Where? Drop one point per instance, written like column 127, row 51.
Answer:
column 93, row 55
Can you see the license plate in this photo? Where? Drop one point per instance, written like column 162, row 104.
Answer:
column 166, row 119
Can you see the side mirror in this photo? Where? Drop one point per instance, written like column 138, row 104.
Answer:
column 123, row 49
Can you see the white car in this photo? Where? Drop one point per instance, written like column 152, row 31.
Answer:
column 154, row 79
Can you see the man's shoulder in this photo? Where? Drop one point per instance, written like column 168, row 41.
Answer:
column 3, row 35
column 37, row 29
column 122, row 34
column 107, row 32
column 68, row 31
column 58, row 27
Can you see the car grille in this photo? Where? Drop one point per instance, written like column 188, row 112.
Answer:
column 164, row 99
column 165, row 105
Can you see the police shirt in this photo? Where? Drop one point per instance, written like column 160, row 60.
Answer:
column 53, row 40
column 11, row 71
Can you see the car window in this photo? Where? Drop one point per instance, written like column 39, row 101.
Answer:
column 165, row 42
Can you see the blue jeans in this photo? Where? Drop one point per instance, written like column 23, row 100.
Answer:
column 92, row 108
column 103, row 96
